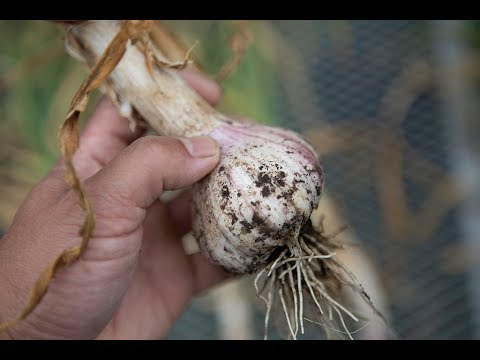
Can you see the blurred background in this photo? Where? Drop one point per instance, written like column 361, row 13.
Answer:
column 392, row 108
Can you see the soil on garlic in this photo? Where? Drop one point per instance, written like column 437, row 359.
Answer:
column 303, row 279
column 266, row 185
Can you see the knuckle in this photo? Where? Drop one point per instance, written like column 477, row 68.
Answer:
column 48, row 190
column 159, row 146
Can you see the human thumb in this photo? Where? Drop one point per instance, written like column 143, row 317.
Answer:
column 152, row 164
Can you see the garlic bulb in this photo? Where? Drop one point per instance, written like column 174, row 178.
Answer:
column 262, row 192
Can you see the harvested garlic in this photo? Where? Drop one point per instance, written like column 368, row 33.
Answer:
column 261, row 194
column 252, row 213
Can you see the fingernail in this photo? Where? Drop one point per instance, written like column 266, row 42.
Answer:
column 200, row 146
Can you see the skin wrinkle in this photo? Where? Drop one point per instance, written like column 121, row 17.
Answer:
column 50, row 189
column 52, row 317
column 10, row 287
column 43, row 326
column 35, row 221
column 95, row 164
column 30, row 327
column 105, row 247
column 102, row 190
column 110, row 215
column 150, row 145
column 68, row 282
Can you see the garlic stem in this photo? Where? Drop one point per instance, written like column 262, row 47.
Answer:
column 139, row 87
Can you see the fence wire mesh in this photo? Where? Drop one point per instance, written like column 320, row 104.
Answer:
column 367, row 94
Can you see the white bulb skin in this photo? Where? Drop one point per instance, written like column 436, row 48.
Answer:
column 263, row 190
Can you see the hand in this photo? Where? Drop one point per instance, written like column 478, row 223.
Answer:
column 134, row 279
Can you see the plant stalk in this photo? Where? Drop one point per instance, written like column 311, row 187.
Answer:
column 145, row 85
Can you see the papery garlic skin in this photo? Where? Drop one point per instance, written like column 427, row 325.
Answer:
column 264, row 189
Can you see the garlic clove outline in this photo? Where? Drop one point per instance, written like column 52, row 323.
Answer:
column 264, row 189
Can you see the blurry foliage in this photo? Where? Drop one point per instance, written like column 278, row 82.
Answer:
column 28, row 87
column 472, row 36
column 472, row 33
column 251, row 88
